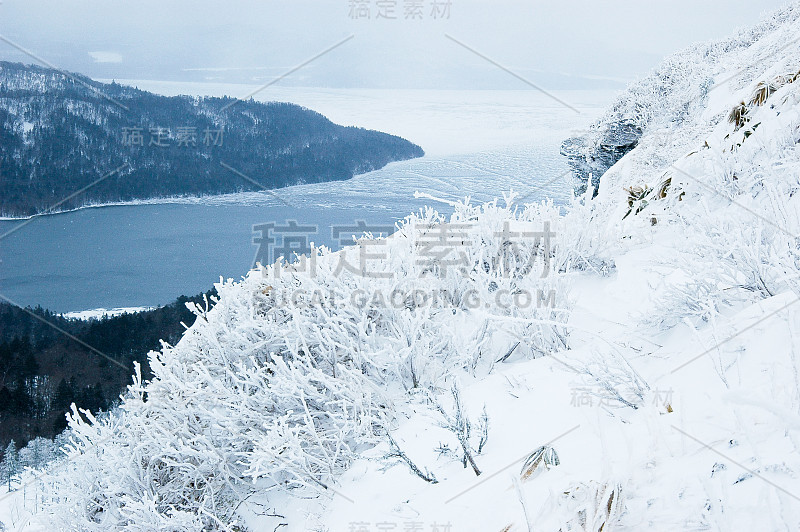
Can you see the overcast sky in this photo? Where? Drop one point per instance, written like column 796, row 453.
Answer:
column 564, row 44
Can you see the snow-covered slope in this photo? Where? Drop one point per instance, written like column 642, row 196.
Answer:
column 664, row 113
column 635, row 370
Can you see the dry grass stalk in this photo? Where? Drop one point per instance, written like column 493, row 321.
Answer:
column 545, row 456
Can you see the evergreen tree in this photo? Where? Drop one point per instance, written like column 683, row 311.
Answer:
column 10, row 466
column 37, row 453
column 64, row 396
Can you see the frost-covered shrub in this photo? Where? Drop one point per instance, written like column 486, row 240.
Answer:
column 614, row 380
column 736, row 205
column 299, row 367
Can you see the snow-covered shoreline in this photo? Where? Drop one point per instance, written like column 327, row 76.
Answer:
column 209, row 199
column 99, row 313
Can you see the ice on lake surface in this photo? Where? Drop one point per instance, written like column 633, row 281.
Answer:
column 479, row 144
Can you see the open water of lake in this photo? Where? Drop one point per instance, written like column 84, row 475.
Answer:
column 478, row 144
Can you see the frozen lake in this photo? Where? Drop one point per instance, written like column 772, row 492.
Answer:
column 478, row 144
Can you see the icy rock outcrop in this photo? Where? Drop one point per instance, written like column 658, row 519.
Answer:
column 594, row 153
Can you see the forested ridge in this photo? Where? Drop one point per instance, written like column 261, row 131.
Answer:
column 43, row 371
column 60, row 132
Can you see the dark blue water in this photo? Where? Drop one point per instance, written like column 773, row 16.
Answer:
column 147, row 255
column 144, row 255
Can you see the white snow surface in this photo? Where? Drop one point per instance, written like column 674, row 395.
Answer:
column 99, row 313
column 665, row 377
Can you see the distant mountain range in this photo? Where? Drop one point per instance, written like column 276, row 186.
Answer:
column 67, row 140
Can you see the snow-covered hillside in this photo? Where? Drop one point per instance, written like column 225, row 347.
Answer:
column 665, row 113
column 629, row 363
